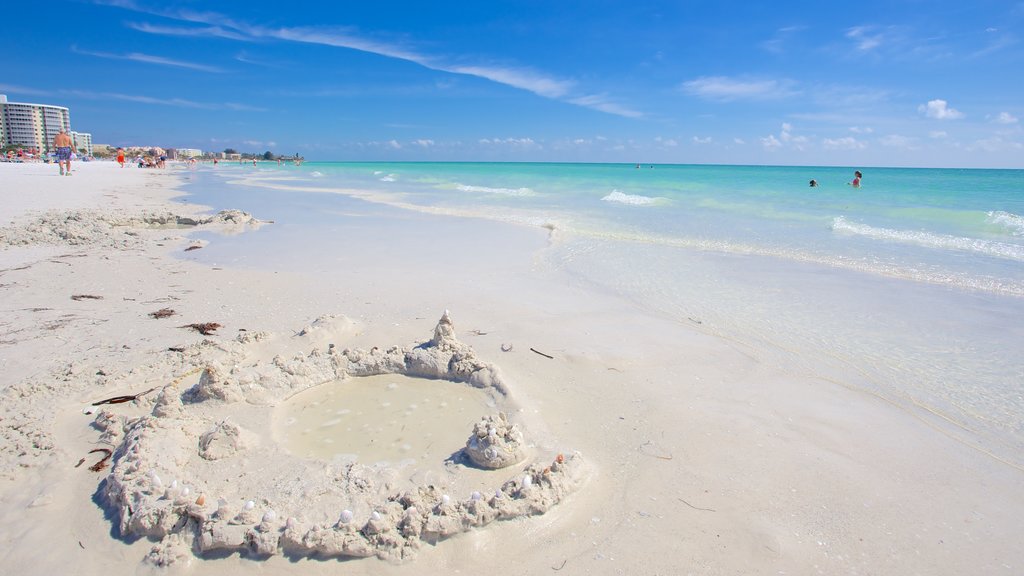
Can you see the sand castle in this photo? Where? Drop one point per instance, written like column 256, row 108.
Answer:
column 196, row 476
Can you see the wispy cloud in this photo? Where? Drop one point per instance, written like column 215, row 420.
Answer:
column 866, row 38
column 206, row 31
column 844, row 143
column 13, row 89
column 146, row 58
column 173, row 101
column 519, row 77
column 727, row 89
column 776, row 44
column 1006, row 118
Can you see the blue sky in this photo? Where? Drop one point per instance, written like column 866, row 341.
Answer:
column 889, row 83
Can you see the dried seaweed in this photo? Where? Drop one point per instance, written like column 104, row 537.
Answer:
column 205, row 328
column 107, row 453
column 193, row 247
column 162, row 313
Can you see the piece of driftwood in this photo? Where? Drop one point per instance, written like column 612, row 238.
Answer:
column 193, row 247
column 541, row 353
column 162, row 313
column 78, row 297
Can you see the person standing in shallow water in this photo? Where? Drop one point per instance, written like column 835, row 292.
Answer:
column 856, row 179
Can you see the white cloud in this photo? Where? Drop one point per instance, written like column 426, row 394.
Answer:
column 1006, row 118
column 739, row 141
column 727, row 89
column 861, row 130
column 844, row 143
column 699, row 140
column 771, row 142
column 937, row 134
column 940, row 110
column 670, row 142
column 423, row 143
column 393, row 144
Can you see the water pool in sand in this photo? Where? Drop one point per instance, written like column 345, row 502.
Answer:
column 388, row 418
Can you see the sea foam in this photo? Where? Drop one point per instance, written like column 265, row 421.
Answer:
column 505, row 191
column 633, row 199
column 931, row 239
column 1008, row 220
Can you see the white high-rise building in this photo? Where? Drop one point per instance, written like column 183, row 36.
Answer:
column 32, row 126
column 82, row 141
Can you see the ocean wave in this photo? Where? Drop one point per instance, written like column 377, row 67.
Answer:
column 1008, row 220
column 389, row 178
column 632, row 199
column 316, row 174
column 505, row 191
column 931, row 240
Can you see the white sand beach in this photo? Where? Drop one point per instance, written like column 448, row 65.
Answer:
column 651, row 447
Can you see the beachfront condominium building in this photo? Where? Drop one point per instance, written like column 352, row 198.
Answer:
column 83, row 142
column 31, row 126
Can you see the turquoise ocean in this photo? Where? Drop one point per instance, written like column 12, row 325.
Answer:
column 909, row 288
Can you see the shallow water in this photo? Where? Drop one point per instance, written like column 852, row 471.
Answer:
column 390, row 419
column 910, row 288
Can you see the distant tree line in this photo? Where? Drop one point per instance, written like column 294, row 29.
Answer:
column 268, row 155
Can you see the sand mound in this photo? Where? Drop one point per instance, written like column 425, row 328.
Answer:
column 199, row 472
column 93, row 227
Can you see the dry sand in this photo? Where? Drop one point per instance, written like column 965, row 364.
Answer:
column 685, row 453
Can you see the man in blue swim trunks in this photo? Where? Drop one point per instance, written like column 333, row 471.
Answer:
column 62, row 142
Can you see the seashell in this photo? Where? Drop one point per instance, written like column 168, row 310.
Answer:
column 527, row 481
column 201, row 500
column 270, row 516
column 497, row 493
column 445, row 499
column 291, row 523
column 174, row 485
column 375, row 516
column 346, row 516
column 560, row 459
column 492, row 433
column 475, row 496
column 185, row 491
column 411, row 511
column 249, row 505
column 155, row 479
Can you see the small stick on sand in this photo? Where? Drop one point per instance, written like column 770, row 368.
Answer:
column 541, row 353
column 694, row 507
column 562, row 566
column 122, row 399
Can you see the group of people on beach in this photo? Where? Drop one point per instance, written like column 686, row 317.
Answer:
column 855, row 182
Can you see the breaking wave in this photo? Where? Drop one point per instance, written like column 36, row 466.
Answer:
column 632, row 199
column 931, row 240
column 487, row 190
column 1007, row 220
